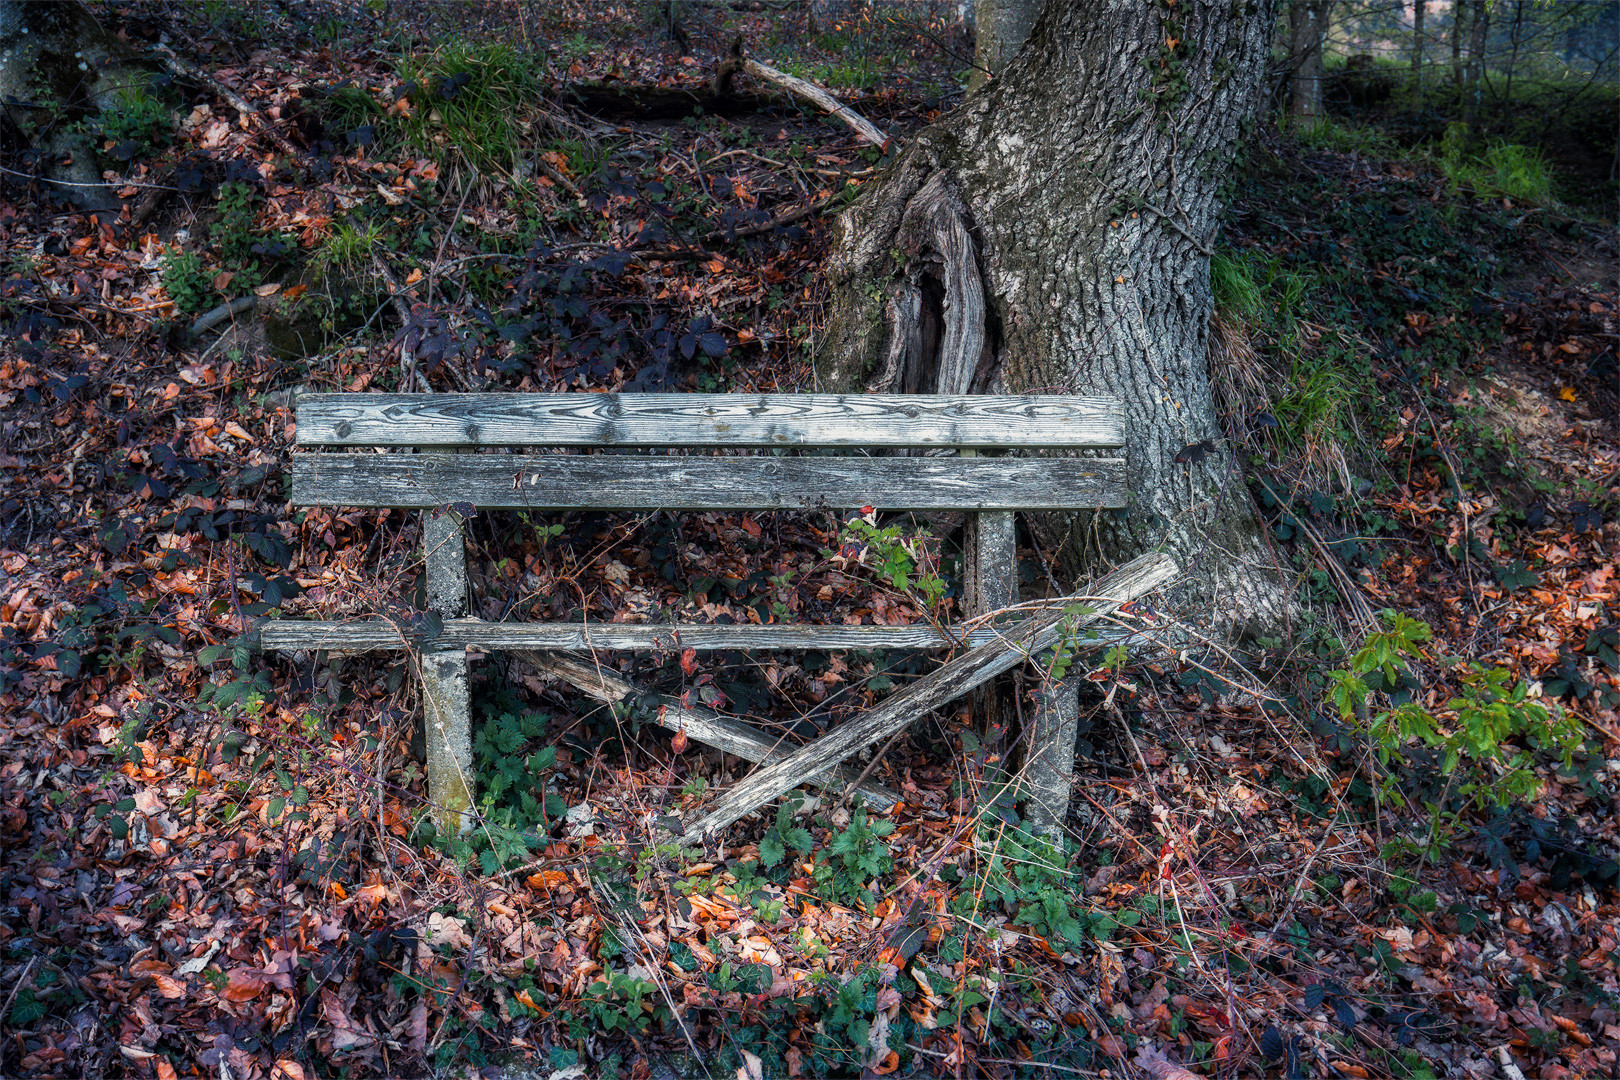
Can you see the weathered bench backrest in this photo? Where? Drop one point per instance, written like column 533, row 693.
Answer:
column 780, row 422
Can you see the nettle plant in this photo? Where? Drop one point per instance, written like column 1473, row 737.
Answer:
column 1487, row 736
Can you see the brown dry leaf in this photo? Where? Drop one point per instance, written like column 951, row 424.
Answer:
column 245, row 984
column 169, row 987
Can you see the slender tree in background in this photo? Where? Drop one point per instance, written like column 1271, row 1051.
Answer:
column 1417, row 43
column 1053, row 235
column 1458, row 20
column 1479, row 22
column 1307, row 31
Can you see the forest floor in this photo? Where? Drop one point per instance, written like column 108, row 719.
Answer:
column 214, row 863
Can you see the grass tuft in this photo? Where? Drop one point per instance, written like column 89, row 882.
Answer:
column 473, row 102
column 1502, row 170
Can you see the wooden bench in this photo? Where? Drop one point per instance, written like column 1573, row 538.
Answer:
column 447, row 454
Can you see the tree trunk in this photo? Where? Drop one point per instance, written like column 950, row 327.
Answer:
column 1457, row 20
column 1052, row 236
column 1002, row 27
column 1417, row 44
column 1307, row 25
column 1479, row 25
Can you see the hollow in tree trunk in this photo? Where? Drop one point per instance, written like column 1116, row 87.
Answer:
column 1052, row 236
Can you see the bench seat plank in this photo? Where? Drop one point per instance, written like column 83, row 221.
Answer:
column 619, row 482
column 829, row 420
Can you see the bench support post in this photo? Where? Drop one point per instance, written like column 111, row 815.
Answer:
column 990, row 545
column 1049, row 756
column 445, row 698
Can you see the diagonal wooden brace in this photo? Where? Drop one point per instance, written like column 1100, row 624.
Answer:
column 973, row 668
column 710, row 728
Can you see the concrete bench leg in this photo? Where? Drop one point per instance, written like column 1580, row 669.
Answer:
column 449, row 739
column 1049, row 757
column 445, row 696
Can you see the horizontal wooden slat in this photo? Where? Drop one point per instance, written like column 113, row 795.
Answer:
column 615, row 482
column 807, row 420
column 374, row 635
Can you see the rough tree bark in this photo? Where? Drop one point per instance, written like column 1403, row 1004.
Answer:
column 1053, row 235
column 1000, row 28
column 1307, row 26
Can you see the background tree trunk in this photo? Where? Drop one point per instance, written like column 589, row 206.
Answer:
column 1417, row 44
column 1458, row 18
column 1307, row 24
column 1052, row 235
column 1002, row 27
column 1479, row 25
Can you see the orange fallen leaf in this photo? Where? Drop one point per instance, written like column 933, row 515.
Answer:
column 245, row 984
column 169, row 987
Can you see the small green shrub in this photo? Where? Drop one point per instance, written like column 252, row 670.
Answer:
column 909, row 564
column 190, row 286
column 783, row 836
column 137, row 126
column 1317, row 404
column 471, row 101
column 1487, row 740
column 349, row 247
column 856, row 855
column 1236, row 291
column 237, row 212
column 1326, row 133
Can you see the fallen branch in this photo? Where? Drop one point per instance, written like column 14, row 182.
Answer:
column 240, row 306
column 796, row 86
column 681, row 254
column 235, row 100
column 731, row 736
column 970, row 670
column 557, row 177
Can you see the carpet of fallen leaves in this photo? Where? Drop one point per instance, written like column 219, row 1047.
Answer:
column 241, row 890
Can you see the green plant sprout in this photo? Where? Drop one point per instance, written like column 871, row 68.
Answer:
column 908, row 564
column 1477, row 740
